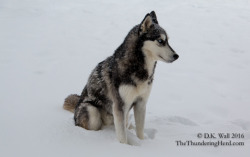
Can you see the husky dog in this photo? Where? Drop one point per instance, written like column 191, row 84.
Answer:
column 123, row 81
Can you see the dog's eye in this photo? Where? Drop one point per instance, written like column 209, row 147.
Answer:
column 160, row 41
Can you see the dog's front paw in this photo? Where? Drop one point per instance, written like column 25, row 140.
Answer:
column 140, row 136
column 123, row 141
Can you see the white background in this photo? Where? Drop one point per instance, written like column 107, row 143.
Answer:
column 49, row 47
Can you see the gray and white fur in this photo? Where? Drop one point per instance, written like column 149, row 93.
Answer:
column 123, row 81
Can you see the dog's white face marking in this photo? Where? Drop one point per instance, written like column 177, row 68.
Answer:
column 163, row 37
column 159, row 49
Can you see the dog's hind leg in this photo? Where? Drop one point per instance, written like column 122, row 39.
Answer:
column 88, row 117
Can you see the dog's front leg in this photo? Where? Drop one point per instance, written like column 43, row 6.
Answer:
column 120, row 124
column 139, row 113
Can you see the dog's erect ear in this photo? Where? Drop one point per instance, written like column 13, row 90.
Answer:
column 145, row 24
column 154, row 18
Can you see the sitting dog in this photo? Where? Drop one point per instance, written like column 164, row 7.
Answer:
column 123, row 81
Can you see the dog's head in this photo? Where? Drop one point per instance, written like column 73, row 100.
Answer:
column 155, row 40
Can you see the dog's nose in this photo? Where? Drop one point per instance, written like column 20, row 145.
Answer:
column 176, row 56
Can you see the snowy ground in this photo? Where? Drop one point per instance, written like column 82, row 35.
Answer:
column 49, row 47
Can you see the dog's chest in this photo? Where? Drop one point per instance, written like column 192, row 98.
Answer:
column 141, row 88
column 129, row 93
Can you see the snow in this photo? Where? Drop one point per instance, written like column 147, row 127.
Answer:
column 49, row 47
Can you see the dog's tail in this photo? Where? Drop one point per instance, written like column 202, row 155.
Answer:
column 71, row 102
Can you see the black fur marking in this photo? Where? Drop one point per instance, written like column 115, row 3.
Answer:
column 154, row 18
column 111, row 65
column 134, row 65
column 99, row 69
column 83, row 95
column 83, row 117
column 93, row 103
column 151, row 77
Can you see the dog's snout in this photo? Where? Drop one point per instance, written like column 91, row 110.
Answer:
column 176, row 56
